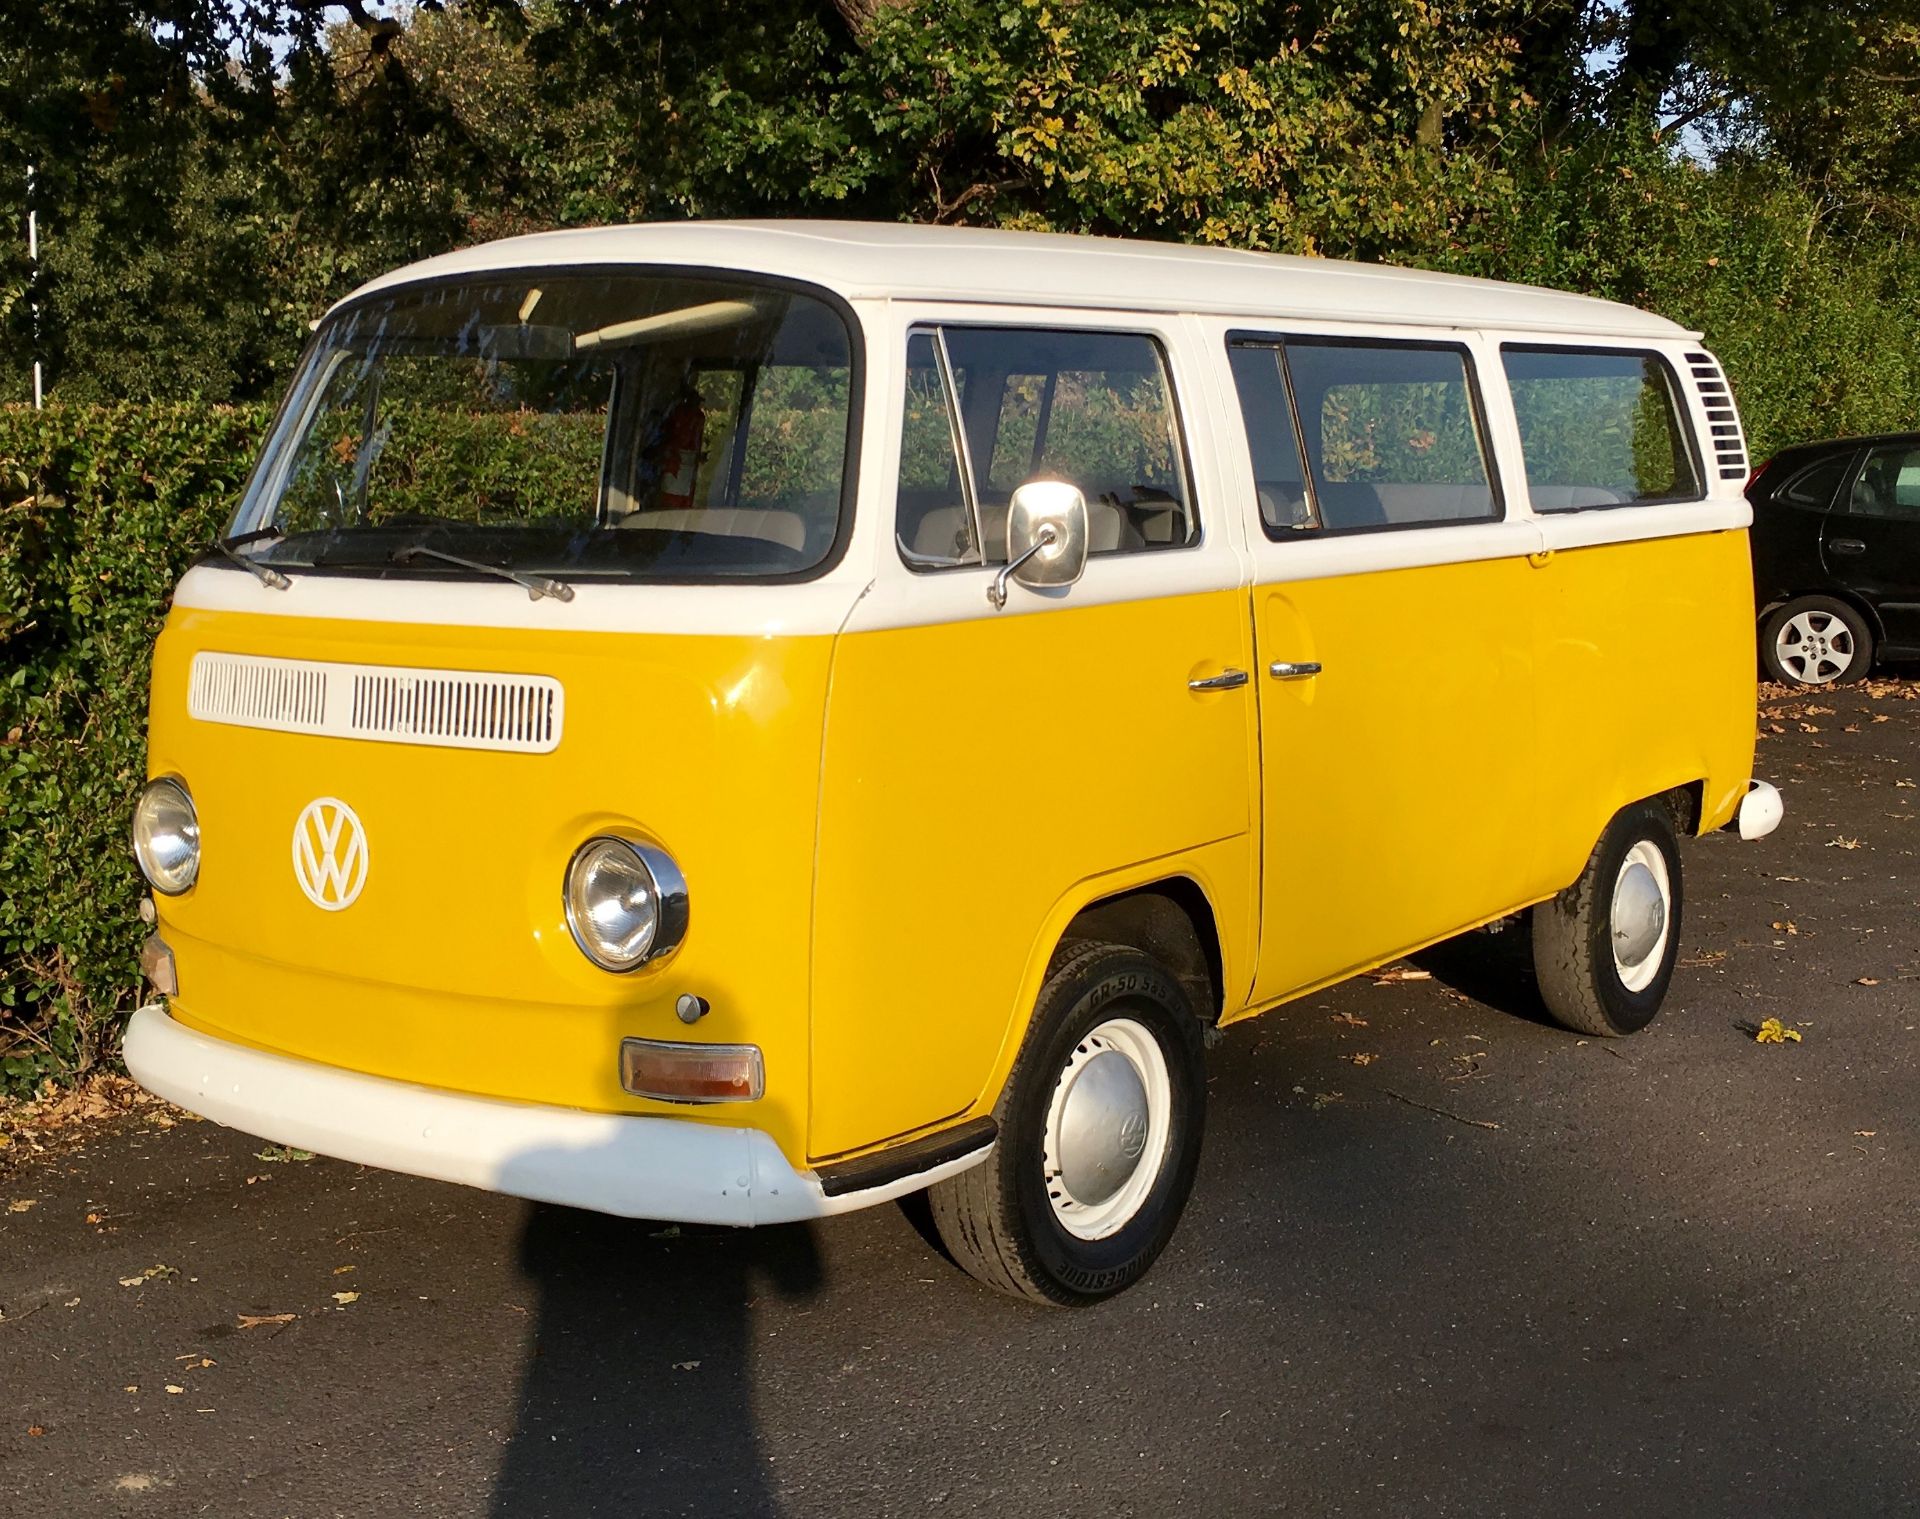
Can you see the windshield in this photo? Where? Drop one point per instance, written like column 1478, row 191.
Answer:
column 570, row 425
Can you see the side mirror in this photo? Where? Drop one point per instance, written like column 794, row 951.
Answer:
column 1046, row 537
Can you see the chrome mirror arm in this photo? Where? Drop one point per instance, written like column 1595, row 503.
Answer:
column 997, row 592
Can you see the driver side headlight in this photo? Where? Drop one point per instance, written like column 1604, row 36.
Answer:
column 166, row 835
column 626, row 902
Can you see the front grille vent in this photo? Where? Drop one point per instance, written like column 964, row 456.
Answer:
column 454, row 709
column 1723, row 422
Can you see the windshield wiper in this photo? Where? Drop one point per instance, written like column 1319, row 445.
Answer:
column 266, row 574
column 537, row 585
column 257, row 535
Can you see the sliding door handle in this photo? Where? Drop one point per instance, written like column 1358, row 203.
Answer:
column 1846, row 545
column 1226, row 680
column 1293, row 669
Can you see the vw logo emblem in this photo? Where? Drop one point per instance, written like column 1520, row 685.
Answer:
column 329, row 853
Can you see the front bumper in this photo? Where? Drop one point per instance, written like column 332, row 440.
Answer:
column 637, row 1167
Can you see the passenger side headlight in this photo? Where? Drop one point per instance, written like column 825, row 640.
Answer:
column 166, row 835
column 626, row 902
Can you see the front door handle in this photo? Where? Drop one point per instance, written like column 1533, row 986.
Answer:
column 1293, row 669
column 1226, row 680
column 1846, row 545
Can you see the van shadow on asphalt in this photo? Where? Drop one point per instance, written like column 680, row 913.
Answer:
column 637, row 1394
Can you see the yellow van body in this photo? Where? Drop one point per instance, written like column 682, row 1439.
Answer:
column 890, row 800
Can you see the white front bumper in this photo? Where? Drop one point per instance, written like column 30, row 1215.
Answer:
column 638, row 1167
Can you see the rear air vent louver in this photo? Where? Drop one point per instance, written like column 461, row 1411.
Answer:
column 1723, row 422
column 455, row 709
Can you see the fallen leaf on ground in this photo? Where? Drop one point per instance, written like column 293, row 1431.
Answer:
column 1773, row 1031
column 1843, row 844
column 1360, row 1057
column 257, row 1320
column 175, row 1388
column 1865, row 1133
column 344, row 1298
column 341, row 1270
column 686, row 1365
column 1326, row 1099
column 21, row 1204
column 282, row 1154
column 36, row 1430
column 148, row 1275
column 1400, row 973
column 1349, row 1020
column 1866, row 980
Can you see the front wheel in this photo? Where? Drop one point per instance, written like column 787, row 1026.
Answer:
column 1100, row 1129
column 1604, row 949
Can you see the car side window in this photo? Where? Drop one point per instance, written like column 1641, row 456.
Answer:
column 1888, row 484
column 1599, row 427
column 1816, row 485
column 990, row 408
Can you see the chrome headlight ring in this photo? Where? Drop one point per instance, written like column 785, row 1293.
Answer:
column 166, row 835
column 625, row 900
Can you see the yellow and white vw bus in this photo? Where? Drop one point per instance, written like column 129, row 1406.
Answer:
column 739, row 722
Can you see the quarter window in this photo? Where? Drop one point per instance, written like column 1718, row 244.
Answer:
column 1599, row 427
column 1889, row 484
column 988, row 409
column 1815, row 485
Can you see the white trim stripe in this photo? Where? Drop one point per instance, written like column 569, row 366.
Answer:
column 448, row 709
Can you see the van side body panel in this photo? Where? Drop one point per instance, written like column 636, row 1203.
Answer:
column 1646, row 683
column 983, row 778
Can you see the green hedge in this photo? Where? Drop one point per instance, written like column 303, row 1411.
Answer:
column 101, row 509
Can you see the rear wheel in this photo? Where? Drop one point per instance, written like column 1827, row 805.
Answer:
column 1100, row 1130
column 1604, row 949
column 1816, row 641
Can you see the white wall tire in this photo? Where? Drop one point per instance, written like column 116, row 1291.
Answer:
column 1101, row 1123
column 1605, row 948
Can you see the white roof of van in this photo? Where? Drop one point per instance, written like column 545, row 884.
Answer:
column 857, row 259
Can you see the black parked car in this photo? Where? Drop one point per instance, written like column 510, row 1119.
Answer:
column 1836, row 557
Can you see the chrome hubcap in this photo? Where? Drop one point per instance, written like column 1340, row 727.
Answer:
column 1815, row 648
column 1109, row 1123
column 1641, row 920
column 1103, row 1127
column 1638, row 915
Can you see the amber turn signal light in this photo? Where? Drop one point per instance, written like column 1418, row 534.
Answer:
column 692, row 1072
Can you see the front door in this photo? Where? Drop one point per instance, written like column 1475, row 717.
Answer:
column 985, row 763
column 1393, row 622
column 1872, row 546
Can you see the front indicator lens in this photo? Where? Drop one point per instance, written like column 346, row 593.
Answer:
column 626, row 902
column 166, row 836
column 692, row 1072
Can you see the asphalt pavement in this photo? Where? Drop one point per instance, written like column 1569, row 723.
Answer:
column 1443, row 1259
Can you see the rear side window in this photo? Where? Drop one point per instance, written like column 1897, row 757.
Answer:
column 1816, row 485
column 1349, row 436
column 1889, row 484
column 990, row 408
column 1599, row 427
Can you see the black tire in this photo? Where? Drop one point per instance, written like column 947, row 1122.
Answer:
column 1573, row 947
column 1844, row 651
column 998, row 1220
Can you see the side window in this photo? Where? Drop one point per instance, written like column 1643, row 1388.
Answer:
column 1889, row 484
column 1816, row 485
column 1392, row 432
column 989, row 408
column 1599, row 427
column 1279, row 469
